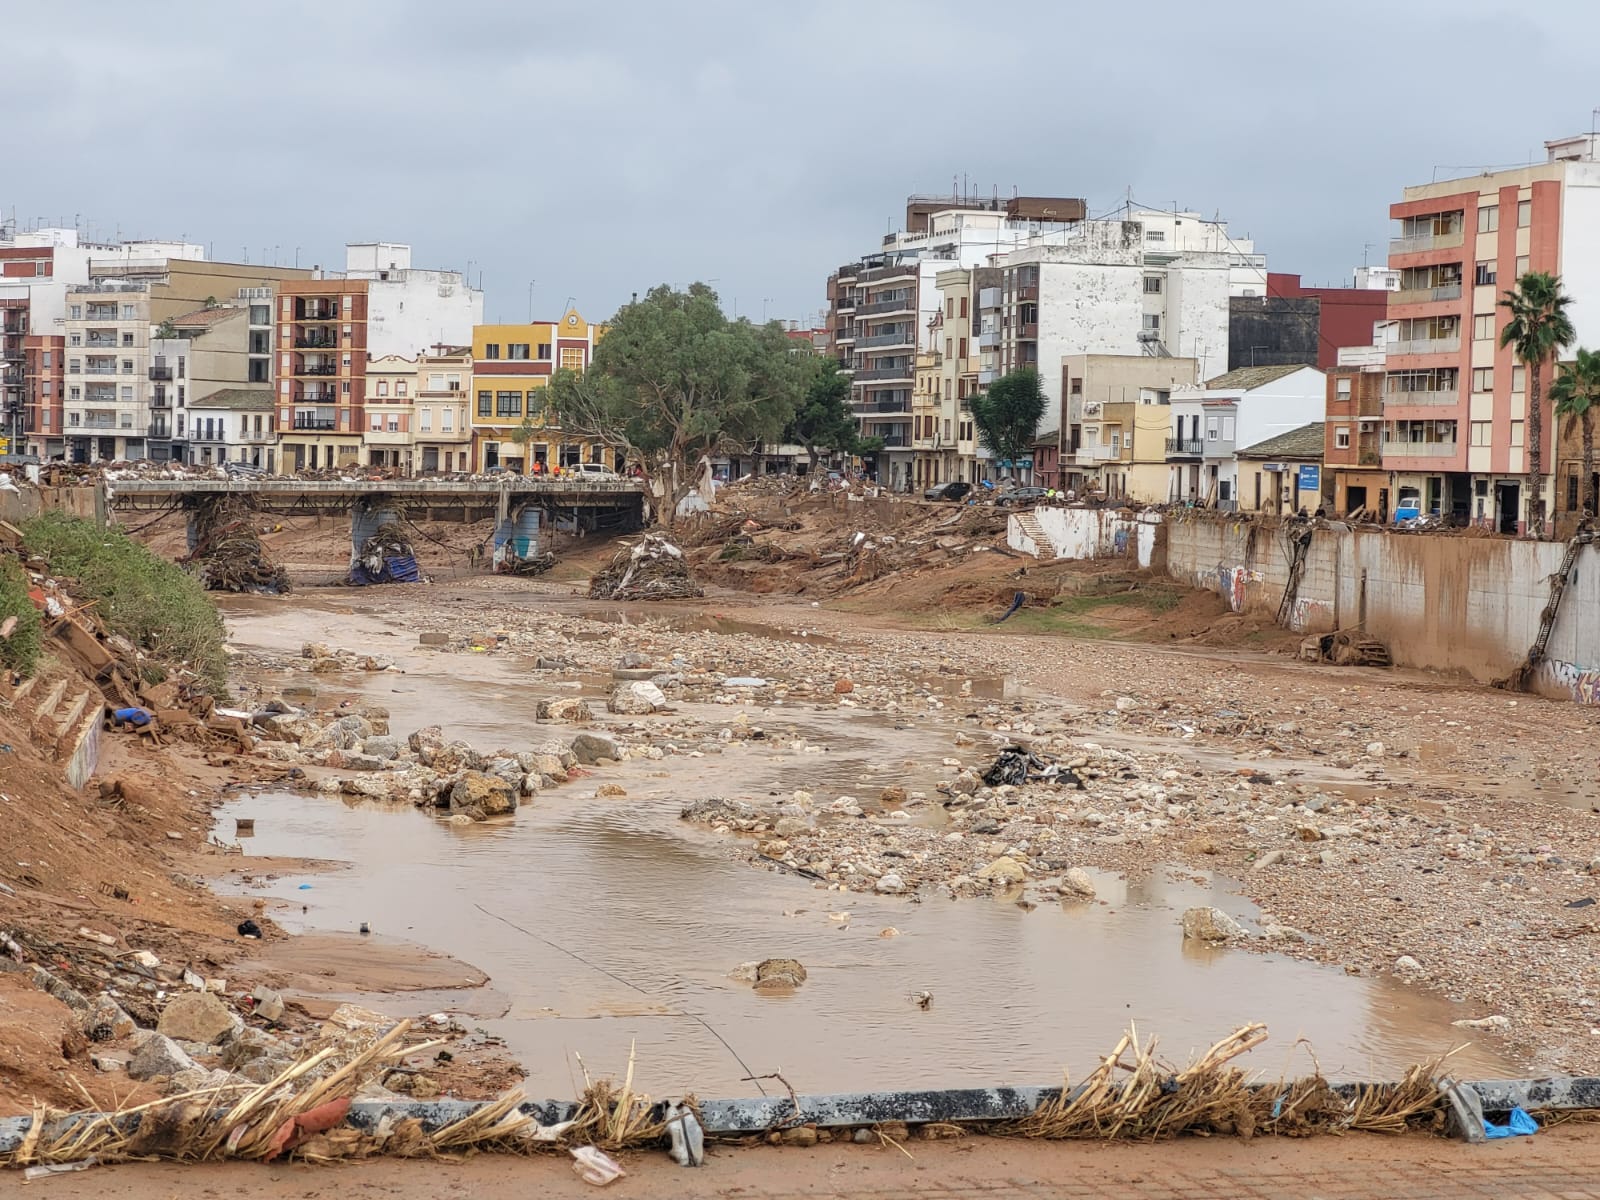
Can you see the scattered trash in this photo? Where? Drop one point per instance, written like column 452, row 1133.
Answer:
column 595, row 1166
column 922, row 999
column 49, row 1169
column 385, row 557
column 249, row 929
column 651, row 569
column 1584, row 903
column 1519, row 1124
column 1017, row 765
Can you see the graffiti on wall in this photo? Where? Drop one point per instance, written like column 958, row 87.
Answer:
column 1308, row 611
column 1568, row 679
column 1229, row 583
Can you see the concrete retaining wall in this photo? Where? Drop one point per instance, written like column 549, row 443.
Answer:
column 1084, row 533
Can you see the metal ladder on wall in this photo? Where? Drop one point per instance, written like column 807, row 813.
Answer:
column 1518, row 680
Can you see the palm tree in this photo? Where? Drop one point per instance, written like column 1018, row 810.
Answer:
column 1538, row 329
column 1576, row 391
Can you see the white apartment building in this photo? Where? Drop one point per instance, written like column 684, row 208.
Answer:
column 1241, row 408
column 107, row 405
column 443, row 437
column 389, row 436
column 233, row 425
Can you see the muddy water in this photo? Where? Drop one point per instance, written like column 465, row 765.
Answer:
column 630, row 920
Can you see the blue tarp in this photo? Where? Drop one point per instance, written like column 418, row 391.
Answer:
column 395, row 570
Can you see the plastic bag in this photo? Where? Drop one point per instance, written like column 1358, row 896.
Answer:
column 594, row 1165
column 1520, row 1124
column 688, row 1139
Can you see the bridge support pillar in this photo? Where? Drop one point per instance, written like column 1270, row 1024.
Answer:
column 380, row 551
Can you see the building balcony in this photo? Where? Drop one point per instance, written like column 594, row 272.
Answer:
column 158, row 429
column 1424, row 242
column 14, row 326
column 316, row 312
column 988, row 339
column 1427, row 295
column 163, row 374
column 987, row 375
column 315, row 424
column 988, row 298
column 885, row 274
column 1420, row 449
column 1438, row 397
column 1028, row 293
column 880, row 408
column 844, row 337
column 884, row 374
column 100, row 370
column 317, row 369
column 92, row 342
column 1185, row 447
column 896, row 441
column 258, row 436
column 315, row 341
column 880, row 307
column 1087, row 456
column 386, row 437
column 316, row 396
column 1427, row 345
column 884, row 339
column 1028, row 332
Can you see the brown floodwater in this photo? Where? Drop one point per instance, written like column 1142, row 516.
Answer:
column 609, row 923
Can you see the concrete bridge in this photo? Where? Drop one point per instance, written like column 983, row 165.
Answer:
column 523, row 506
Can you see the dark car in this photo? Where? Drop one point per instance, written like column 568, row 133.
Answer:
column 954, row 490
column 1022, row 495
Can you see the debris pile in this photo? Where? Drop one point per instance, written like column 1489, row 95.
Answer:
column 228, row 550
column 651, row 569
column 386, row 557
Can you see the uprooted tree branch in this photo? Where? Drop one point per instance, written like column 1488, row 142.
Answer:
column 673, row 382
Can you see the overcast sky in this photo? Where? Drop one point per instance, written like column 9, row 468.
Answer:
column 596, row 149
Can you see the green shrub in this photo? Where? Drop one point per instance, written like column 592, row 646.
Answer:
column 151, row 602
column 19, row 652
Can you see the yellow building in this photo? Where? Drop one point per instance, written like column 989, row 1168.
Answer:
column 924, row 420
column 511, row 366
column 387, row 440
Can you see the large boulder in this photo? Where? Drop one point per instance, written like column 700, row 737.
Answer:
column 776, row 973
column 1004, row 870
column 636, row 699
column 196, row 1017
column 429, row 735
column 157, row 1055
column 489, row 794
column 1210, row 925
column 567, row 710
column 381, row 745
column 590, row 748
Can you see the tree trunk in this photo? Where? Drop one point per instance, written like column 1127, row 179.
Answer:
column 1535, row 455
column 1587, row 420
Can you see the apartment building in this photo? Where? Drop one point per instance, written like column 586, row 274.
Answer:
column 511, row 366
column 44, row 391
column 107, row 408
column 882, row 307
column 389, row 437
column 329, row 326
column 443, row 432
column 924, row 418
column 1352, row 452
column 1241, row 408
column 1455, row 406
column 234, row 425
column 1113, row 423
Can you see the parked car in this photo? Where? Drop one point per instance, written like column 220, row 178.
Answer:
column 954, row 490
column 1021, row 495
column 594, row 470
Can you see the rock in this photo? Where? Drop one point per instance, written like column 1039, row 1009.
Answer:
column 428, row 735
column 745, row 972
column 744, row 681
column 633, row 660
column 638, row 698
column 372, row 787
column 198, row 1079
column 788, row 827
column 894, row 794
column 1495, row 1022
column 105, row 1020
column 611, row 790
column 1272, row 858
column 1077, row 882
column 1375, row 750
column 155, row 1056
column 250, row 1045
column 843, row 687
column 566, row 710
column 382, row 746
column 779, row 973
column 315, row 650
column 1004, row 870
column 433, row 637
column 196, row 1017
column 1282, row 933
column 1126, row 704
column 1210, row 925
column 362, row 762
column 1406, row 965
column 489, row 794
column 268, row 1003
column 590, row 748
column 889, row 884
column 800, row 1135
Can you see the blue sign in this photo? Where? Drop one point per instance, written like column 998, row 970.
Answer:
column 1310, row 478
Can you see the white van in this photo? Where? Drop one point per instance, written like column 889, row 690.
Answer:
column 593, row 470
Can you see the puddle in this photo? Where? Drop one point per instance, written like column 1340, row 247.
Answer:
column 659, row 914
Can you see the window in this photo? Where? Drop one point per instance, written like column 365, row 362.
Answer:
column 383, row 387
column 963, row 306
column 349, row 303
column 436, row 383
column 572, row 358
column 75, row 340
column 1519, row 379
column 1479, row 433
column 485, row 403
column 1152, row 285
column 394, row 423
column 1076, row 386
column 1483, row 379
column 377, row 423
column 1572, row 491
column 130, row 312
column 47, row 385
column 72, row 418
column 400, row 387
column 344, row 388
column 445, row 416
column 1155, row 235
column 1485, row 275
column 1524, row 213
column 963, row 348
column 77, row 312
column 1522, row 265
column 1341, row 388
column 544, row 351
column 75, row 392
column 950, row 307
column 453, row 383
column 518, row 351
column 1152, row 322
column 1516, row 432
column 1489, row 218
column 127, row 339
column 127, row 366
column 508, row 404
column 260, row 314
column 1483, row 326
column 74, row 366
column 491, row 350
column 127, row 395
